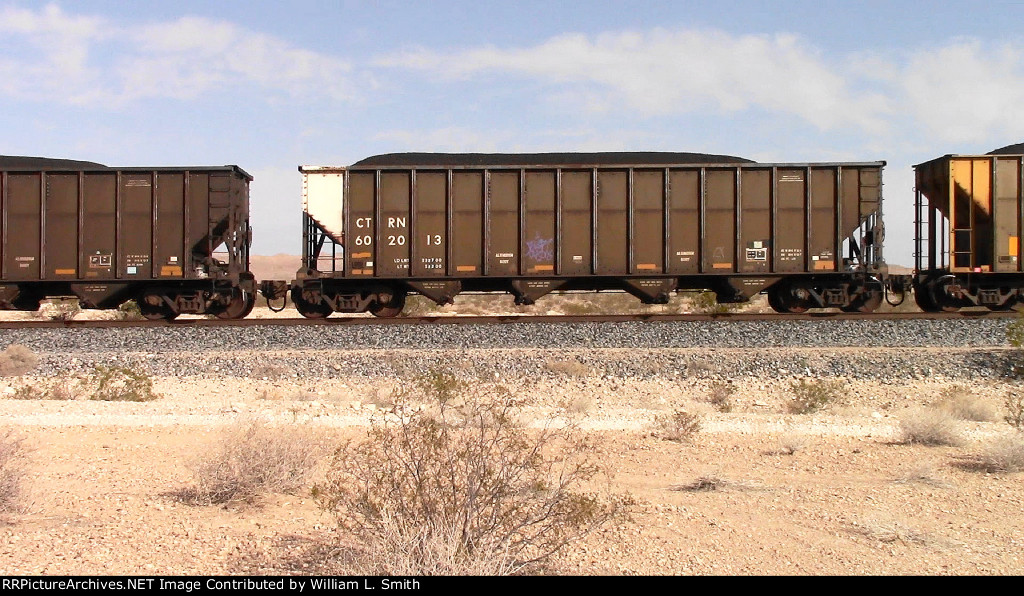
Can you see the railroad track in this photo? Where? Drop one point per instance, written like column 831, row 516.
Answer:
column 512, row 319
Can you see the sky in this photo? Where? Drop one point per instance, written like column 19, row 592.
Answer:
column 272, row 85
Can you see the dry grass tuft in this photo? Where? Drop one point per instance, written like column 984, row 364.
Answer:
column 253, row 460
column 720, row 395
column 959, row 401
column 1015, row 410
column 930, row 426
column 12, row 471
column 791, row 442
column 17, row 360
column 702, row 484
column 451, row 483
column 679, row 426
column 889, row 531
column 569, row 368
column 923, row 473
column 812, row 395
column 269, row 370
column 1005, row 454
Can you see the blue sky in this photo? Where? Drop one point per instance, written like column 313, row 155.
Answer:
column 271, row 85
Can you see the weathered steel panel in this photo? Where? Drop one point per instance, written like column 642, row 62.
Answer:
column 684, row 221
column 612, row 234
column 361, row 223
column 23, row 227
column 539, row 243
column 755, row 218
column 61, row 242
column 822, row 236
column 648, row 222
column 503, row 252
column 169, row 259
column 431, row 234
column 467, row 224
column 791, row 220
column 719, row 252
column 393, row 243
column 99, row 225
column 1006, row 214
column 135, row 226
column 577, row 220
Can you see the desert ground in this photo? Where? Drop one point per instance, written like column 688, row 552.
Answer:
column 756, row 490
column 753, row 488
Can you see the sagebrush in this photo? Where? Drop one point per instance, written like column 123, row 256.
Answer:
column 451, row 482
column 1004, row 454
column 17, row 360
column 962, row 403
column 930, row 426
column 12, row 470
column 812, row 395
column 120, row 383
column 253, row 459
column 679, row 426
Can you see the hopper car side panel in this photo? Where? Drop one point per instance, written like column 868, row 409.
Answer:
column 175, row 239
column 969, row 221
column 737, row 229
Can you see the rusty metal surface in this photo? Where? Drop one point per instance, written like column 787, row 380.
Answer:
column 513, row 319
column 571, row 221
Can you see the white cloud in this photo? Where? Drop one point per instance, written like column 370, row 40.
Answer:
column 966, row 91
column 663, row 72
column 93, row 61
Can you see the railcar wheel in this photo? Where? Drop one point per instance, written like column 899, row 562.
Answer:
column 393, row 308
column 869, row 300
column 157, row 313
column 241, row 305
column 1006, row 306
column 944, row 302
column 923, row 298
column 309, row 310
column 782, row 300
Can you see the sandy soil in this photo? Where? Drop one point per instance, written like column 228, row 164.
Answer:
column 829, row 493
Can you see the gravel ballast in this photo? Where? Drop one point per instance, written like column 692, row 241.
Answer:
column 707, row 349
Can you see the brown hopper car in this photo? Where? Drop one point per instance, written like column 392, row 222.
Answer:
column 174, row 239
column 809, row 235
column 970, row 218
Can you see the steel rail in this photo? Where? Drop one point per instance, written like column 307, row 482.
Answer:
column 509, row 319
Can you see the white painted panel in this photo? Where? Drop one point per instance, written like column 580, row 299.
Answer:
column 323, row 197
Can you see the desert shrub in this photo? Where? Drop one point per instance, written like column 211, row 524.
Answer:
column 707, row 303
column 129, row 311
column 930, row 426
column 269, row 370
column 581, row 405
column 17, row 360
column 252, row 460
column 56, row 389
column 679, row 426
column 812, row 395
column 61, row 310
column 581, row 307
column 571, row 367
column 12, row 470
column 961, row 403
column 458, row 485
column 791, row 442
column 418, row 306
column 720, row 396
column 1005, row 454
column 1015, row 410
column 120, row 383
